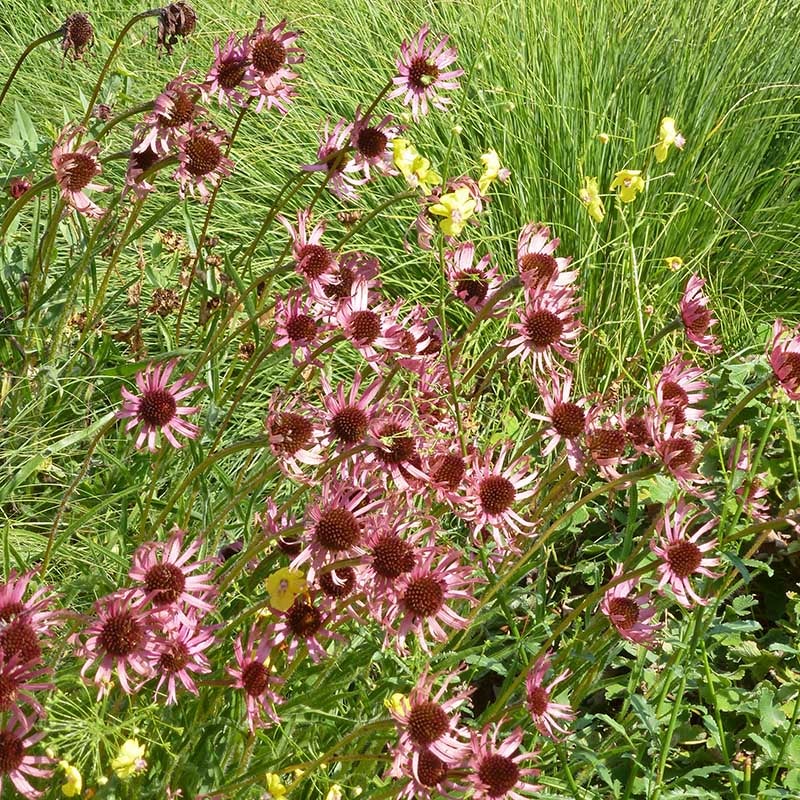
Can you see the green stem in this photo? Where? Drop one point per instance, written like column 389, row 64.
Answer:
column 25, row 53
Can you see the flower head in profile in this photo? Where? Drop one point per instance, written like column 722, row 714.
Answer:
column 76, row 166
column 334, row 159
column 590, row 197
column 175, row 110
column 565, row 418
column 696, row 316
column 784, row 357
column 202, row 160
column 416, row 169
column 680, row 553
column 455, row 208
column 77, row 34
column 667, row 137
column 175, row 20
column 496, row 772
column 548, row 717
column 157, row 407
column 129, row 760
column 229, row 78
column 628, row 183
column 629, row 613
column 16, row 762
column 422, row 73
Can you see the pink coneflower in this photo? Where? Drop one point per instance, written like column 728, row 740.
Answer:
column 429, row 777
column 546, row 714
column 784, row 357
column 117, row 640
column 696, row 316
column 271, row 53
column 176, row 653
column 369, row 328
column 16, row 763
column 304, row 623
column 606, row 440
column 396, row 449
column 548, row 326
column 474, row 284
column 229, row 78
column 751, row 490
column 681, row 555
column 422, row 341
column 254, row 675
column 425, row 222
column 371, row 143
column 23, row 622
column 279, row 527
column 335, row 525
column 175, row 110
column 629, row 613
column 566, row 419
column 447, row 468
column 312, row 260
column 637, row 426
column 75, row 168
column 423, row 73
column 679, row 389
column 139, row 161
column 157, row 409
column 202, row 162
column 493, row 489
column 675, row 446
column 165, row 575
column 294, row 435
column 296, row 324
column 427, row 723
column 424, row 596
column 496, row 771
column 349, row 417
column 539, row 269
column 354, row 267
column 18, row 679
column 334, row 158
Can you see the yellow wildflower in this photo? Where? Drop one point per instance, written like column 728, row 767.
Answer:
column 629, row 182
column 398, row 703
column 334, row 793
column 590, row 197
column 674, row 262
column 491, row 170
column 74, row 782
column 456, row 208
column 283, row 587
column 275, row 787
column 130, row 759
column 603, row 138
column 668, row 136
column 415, row 168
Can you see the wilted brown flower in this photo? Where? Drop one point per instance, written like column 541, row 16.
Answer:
column 164, row 302
column 77, row 34
column 176, row 19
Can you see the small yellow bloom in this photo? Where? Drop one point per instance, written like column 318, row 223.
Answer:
column 456, row 208
column 130, row 759
column 668, row 136
column 491, row 170
column 398, row 703
column 590, row 197
column 415, row 168
column 674, row 262
column 74, row 782
column 334, row 793
column 603, row 138
column 629, row 182
column 275, row 787
column 283, row 587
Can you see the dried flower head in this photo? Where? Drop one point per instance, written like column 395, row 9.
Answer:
column 77, row 34
column 175, row 20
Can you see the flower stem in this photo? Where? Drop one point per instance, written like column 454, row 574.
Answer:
column 25, row 53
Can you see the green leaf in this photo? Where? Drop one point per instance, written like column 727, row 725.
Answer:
column 645, row 713
column 771, row 716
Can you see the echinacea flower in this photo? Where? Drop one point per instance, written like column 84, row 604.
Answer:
column 156, row 407
column 605, row 440
column 335, row 160
column 538, row 268
column 117, row 640
column 166, row 579
column 304, row 624
column 679, row 390
column 415, row 168
column 784, row 357
column 547, row 716
column 428, row 721
column 674, row 444
column 422, row 73
column 590, row 197
column 697, row 317
column 176, row 652
column 75, row 167
column 129, row 760
column 18, row 679
column 668, row 136
column 175, row 110
column 369, row 328
column 312, row 260
column 174, row 20
column 139, row 161
column 628, row 183
column 16, row 762
column 455, row 208
column 229, row 79
column 680, row 553
column 77, row 34
column 495, row 768
column 372, row 143
column 253, row 673
column 548, row 326
column 474, row 284
column 751, row 490
column 272, row 52
column 429, row 777
column 294, row 436
column 202, row 162
column 629, row 613
column 296, row 324
column 566, row 419
column 23, row 622
column 17, row 186
column 349, row 416
column 396, row 450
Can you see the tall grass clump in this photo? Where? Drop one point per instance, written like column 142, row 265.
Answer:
column 399, row 407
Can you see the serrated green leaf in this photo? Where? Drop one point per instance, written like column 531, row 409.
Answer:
column 770, row 715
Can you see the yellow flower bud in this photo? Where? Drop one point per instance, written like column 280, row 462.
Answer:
column 674, row 262
column 668, row 136
column 603, row 138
